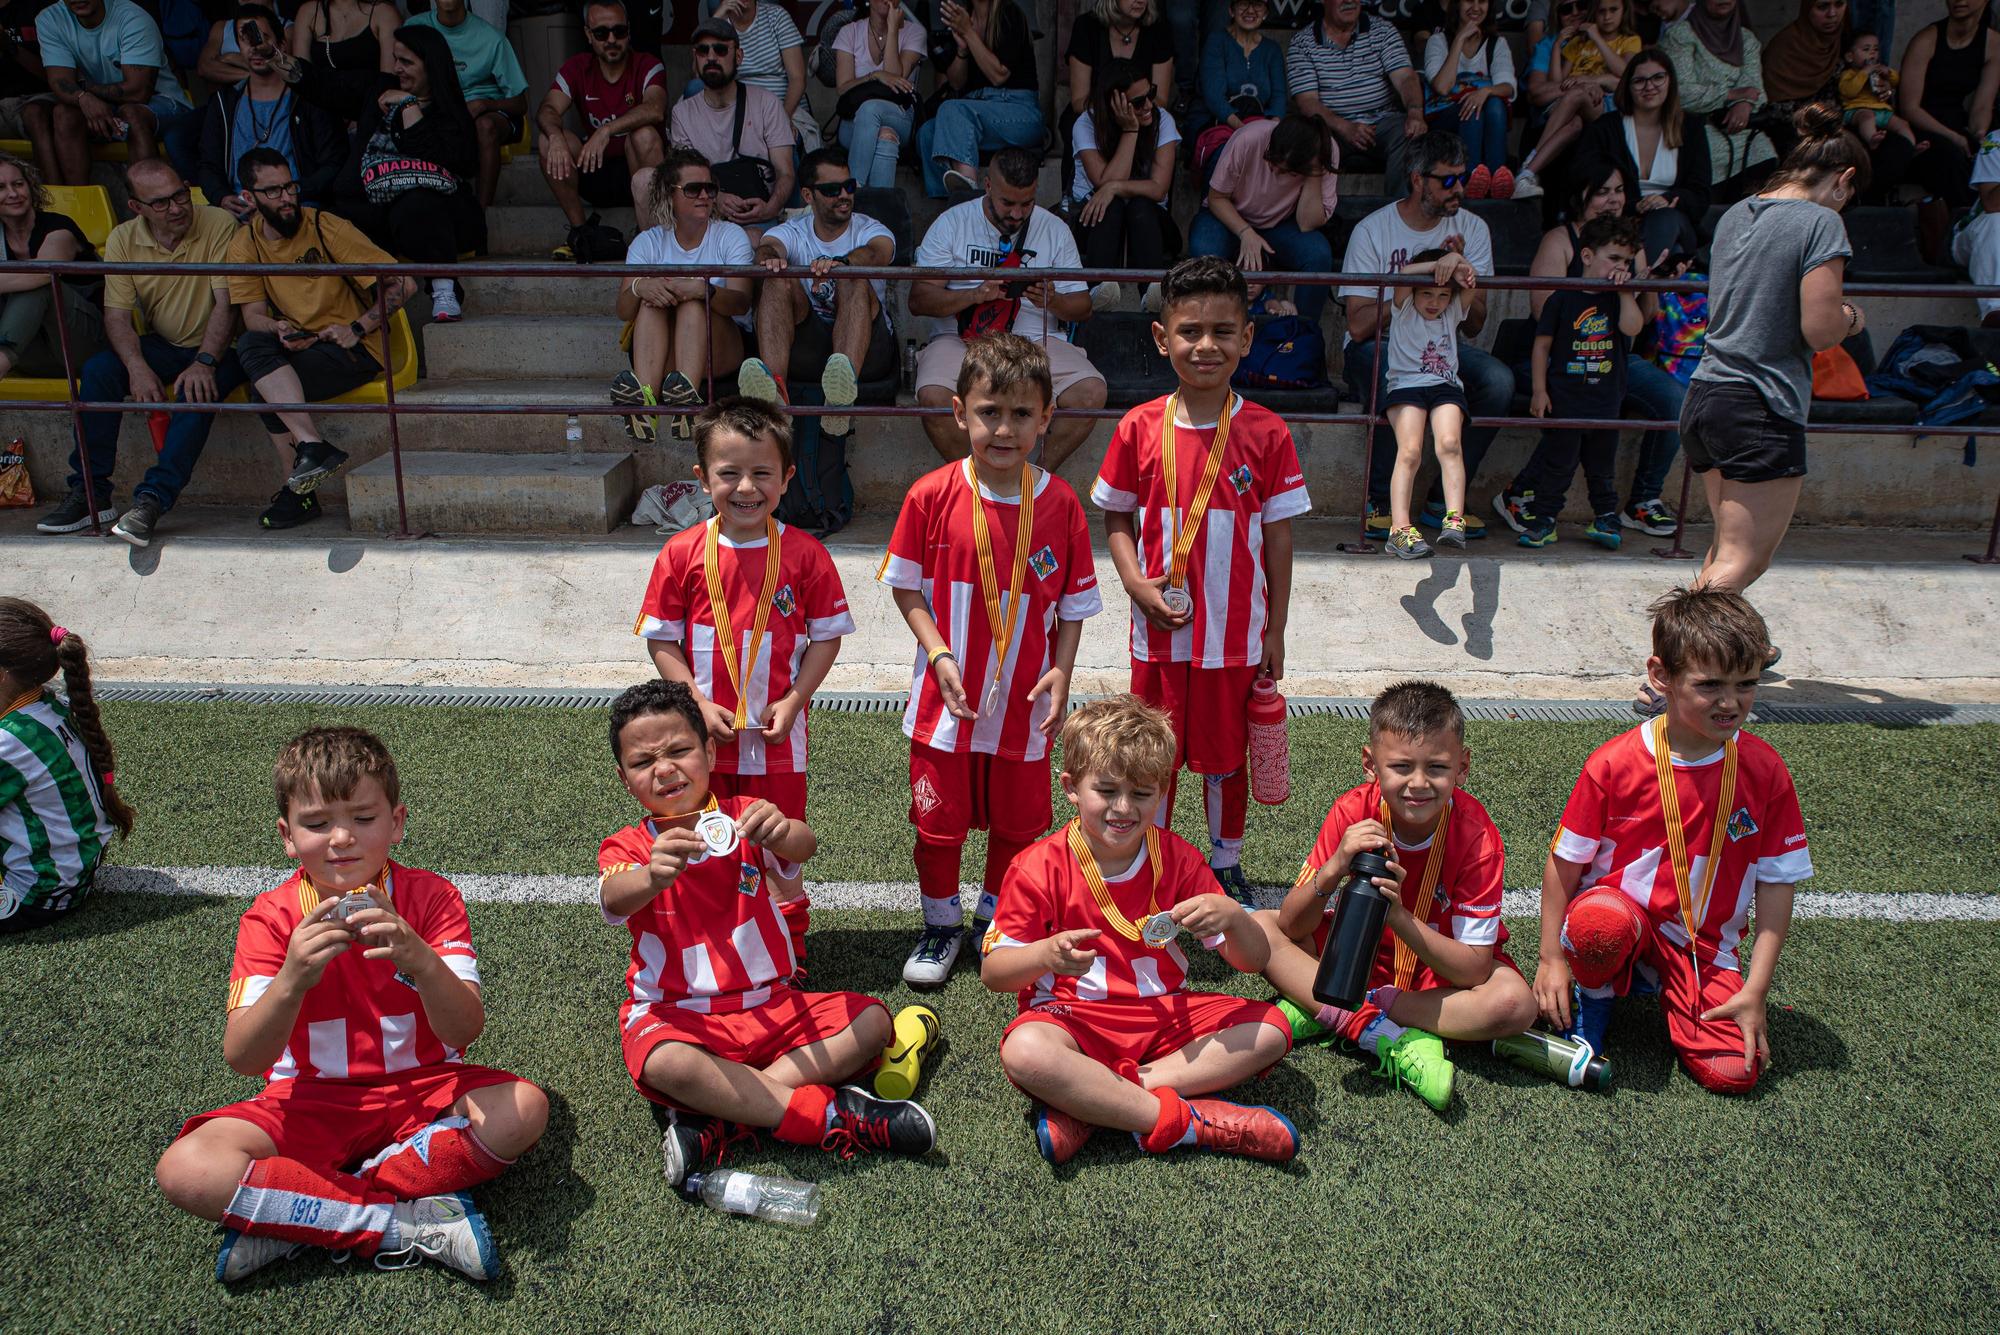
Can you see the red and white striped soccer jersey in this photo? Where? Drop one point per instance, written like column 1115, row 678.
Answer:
column 1260, row 483
column 1044, row 893
column 932, row 550
column 363, row 1019
column 711, row 942
column 1614, row 826
column 809, row 605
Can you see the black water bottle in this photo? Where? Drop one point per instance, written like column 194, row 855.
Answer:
column 1356, row 935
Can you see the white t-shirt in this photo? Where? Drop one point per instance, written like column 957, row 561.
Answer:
column 964, row 237
column 803, row 245
column 1423, row 352
column 853, row 39
column 1383, row 243
column 723, row 243
column 1494, row 59
column 1666, row 163
column 1085, row 136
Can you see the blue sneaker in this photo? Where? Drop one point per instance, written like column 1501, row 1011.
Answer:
column 1606, row 531
column 1590, row 1018
column 1433, row 517
column 1235, row 884
column 1537, row 533
column 242, row 1254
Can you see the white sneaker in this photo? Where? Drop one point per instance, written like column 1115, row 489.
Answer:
column 449, row 1230
column 1149, row 301
column 444, row 303
column 936, row 951
column 837, row 386
column 1106, row 296
column 1526, row 186
column 242, row 1254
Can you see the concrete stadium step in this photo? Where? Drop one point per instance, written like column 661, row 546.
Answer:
column 536, row 229
column 559, row 346
column 484, row 430
column 589, row 290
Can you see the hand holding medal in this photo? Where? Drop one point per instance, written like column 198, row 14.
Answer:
column 673, row 847
column 760, row 823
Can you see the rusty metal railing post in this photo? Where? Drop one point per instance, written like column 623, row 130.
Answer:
column 75, row 417
column 1677, row 552
column 389, row 400
column 1992, row 556
column 1361, row 546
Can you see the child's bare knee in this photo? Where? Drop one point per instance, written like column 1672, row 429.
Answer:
column 873, row 1027
column 1028, row 1054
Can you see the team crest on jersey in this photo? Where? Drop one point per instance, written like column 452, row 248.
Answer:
column 1241, row 479
column 1044, row 562
column 748, row 881
column 1740, row 824
column 782, row 601
column 925, row 795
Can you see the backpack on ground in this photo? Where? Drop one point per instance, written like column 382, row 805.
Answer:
column 593, row 241
column 821, row 497
column 1288, row 352
column 1938, row 368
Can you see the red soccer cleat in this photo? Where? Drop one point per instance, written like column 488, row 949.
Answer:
column 1059, row 1135
column 1251, row 1130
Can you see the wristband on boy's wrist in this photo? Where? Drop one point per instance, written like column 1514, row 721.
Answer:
column 942, row 651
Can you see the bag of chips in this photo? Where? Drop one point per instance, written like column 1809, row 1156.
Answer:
column 17, row 489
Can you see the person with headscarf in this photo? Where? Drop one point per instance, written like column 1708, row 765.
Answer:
column 1803, row 60
column 1720, row 66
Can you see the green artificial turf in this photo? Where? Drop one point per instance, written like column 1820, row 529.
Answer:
column 1852, row 1191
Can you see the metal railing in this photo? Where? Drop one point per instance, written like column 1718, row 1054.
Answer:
column 620, row 274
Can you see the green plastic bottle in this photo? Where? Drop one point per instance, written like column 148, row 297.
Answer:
column 1568, row 1061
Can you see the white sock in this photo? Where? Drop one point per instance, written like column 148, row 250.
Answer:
column 989, row 904
column 1377, row 1029
column 1227, row 853
column 943, row 912
column 1187, row 1136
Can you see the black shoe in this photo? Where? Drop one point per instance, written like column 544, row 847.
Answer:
column 317, row 462
column 693, row 1142
column 136, row 525
column 863, row 1122
column 73, row 513
column 289, row 510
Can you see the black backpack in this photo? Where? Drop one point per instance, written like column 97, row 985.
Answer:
column 594, row 242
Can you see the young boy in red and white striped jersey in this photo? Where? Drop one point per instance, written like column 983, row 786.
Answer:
column 991, row 565
column 1208, row 568
column 354, row 991
column 1087, row 933
column 749, row 613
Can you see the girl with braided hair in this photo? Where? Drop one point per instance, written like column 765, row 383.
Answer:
column 58, row 805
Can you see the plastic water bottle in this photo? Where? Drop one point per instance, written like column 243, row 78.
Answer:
column 573, row 437
column 909, row 366
column 1566, row 1060
column 777, row 1200
column 916, row 1033
column 1356, row 934
column 1270, row 745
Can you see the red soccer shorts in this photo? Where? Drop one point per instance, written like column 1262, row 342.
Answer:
column 788, row 1021
column 1219, row 697
column 333, row 1124
column 953, row 792
column 1126, row 1033
column 786, row 792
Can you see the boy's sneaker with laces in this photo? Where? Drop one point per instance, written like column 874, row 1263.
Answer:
column 1433, row 516
column 1590, row 1017
column 1251, row 1130
column 694, row 1141
column 1513, row 507
column 243, row 1254
column 1537, row 533
column 447, row 1229
column 288, row 509
column 136, row 524
column 1649, row 517
column 1415, row 1060
column 755, row 381
column 1503, row 184
column 1451, row 532
column 1480, row 184
column 858, row 1122
column 930, row 961
column 1527, row 185
column 627, row 392
column 1606, row 532
column 1234, row 884
column 677, row 391
column 445, row 307
column 1407, row 543
column 1375, row 524
column 837, row 386
column 1305, row 1029
column 72, row 514
column 316, row 462
column 1058, row 1135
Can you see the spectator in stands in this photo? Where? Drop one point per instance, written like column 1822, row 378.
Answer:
column 739, row 129
column 772, row 57
column 1774, row 300
column 1657, row 17
column 620, row 98
column 1353, row 72
column 496, row 91
column 1589, row 54
column 1125, row 173
column 1193, row 24
column 30, row 338
column 1951, row 78
column 1242, row 70
column 684, row 330
column 993, row 99
column 1662, row 154
column 304, row 339
column 21, row 77
column 875, row 70
column 184, row 354
column 109, row 81
column 262, row 112
column 1274, row 186
column 1802, row 61
column 1109, row 30
column 349, row 39
column 835, row 328
column 1004, row 229
column 1469, row 75
column 1432, row 215
column 1719, row 65
column 1975, row 247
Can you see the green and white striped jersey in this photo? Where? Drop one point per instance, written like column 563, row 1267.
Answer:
column 53, row 829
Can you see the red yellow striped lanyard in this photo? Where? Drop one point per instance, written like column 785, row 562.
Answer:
column 1187, row 524
column 718, row 607
column 1406, row 958
column 1099, row 891
column 1694, row 911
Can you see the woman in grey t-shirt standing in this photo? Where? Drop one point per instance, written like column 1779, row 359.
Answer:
column 1774, row 299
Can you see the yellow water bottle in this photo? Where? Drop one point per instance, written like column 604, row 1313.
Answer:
column 902, row 1066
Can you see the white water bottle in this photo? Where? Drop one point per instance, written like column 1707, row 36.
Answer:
column 573, row 437
column 777, row 1200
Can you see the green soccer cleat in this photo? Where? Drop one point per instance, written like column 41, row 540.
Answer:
column 1305, row 1029
column 1416, row 1060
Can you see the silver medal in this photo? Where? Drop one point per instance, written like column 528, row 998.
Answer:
column 351, row 904
column 1177, row 600
column 991, row 706
column 1160, row 929
column 717, row 831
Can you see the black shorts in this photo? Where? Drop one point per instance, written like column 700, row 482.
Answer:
column 1427, row 397
column 1729, row 427
column 609, row 187
column 514, row 124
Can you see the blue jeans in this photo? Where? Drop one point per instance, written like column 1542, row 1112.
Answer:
column 1292, row 248
column 871, row 157
column 105, row 379
column 1485, row 135
column 1876, row 16
column 1190, row 22
column 991, row 118
column 1489, row 391
column 1655, row 393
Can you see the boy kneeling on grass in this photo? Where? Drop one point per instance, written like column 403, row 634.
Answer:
column 355, row 989
column 712, row 1029
column 1674, row 828
column 1442, row 969
column 1086, row 931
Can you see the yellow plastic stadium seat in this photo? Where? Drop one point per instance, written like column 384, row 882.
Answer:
column 195, row 197
column 402, row 356
column 110, row 153
column 508, row 152
column 88, row 206
column 20, row 148
column 16, row 388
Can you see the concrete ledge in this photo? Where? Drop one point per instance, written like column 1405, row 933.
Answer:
column 468, row 492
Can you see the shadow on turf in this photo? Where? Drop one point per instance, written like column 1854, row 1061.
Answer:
column 107, row 914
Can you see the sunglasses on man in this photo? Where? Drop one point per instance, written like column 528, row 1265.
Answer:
column 712, row 48
column 835, row 189
column 615, row 32
column 1449, row 180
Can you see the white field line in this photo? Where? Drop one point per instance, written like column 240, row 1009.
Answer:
column 243, row 882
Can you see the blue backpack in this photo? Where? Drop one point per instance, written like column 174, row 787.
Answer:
column 1938, row 368
column 1287, row 352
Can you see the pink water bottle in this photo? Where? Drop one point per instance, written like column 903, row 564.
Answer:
column 1270, row 745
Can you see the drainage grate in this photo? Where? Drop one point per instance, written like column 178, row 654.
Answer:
column 1902, row 714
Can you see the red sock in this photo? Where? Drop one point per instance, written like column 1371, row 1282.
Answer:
column 441, row 1158
column 798, row 917
column 1359, row 1019
column 937, row 873
column 804, row 1122
column 1000, row 854
column 282, row 1198
column 1172, row 1123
